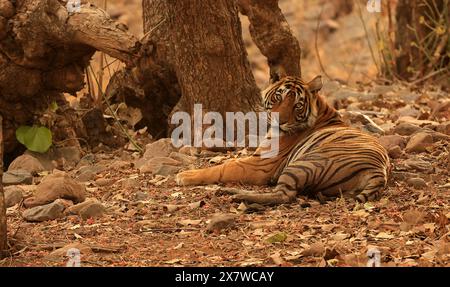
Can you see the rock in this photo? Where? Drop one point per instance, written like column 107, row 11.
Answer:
column 395, row 152
column 120, row 164
column 183, row 158
column 16, row 177
column 343, row 94
column 167, row 170
column 444, row 128
column 155, row 163
column 419, row 142
column 67, row 203
column 420, row 123
column 63, row 252
column 141, row 196
column 407, row 111
column 130, row 183
column 71, row 155
column 417, row 183
column 221, row 221
column 88, row 173
column 160, row 148
column 46, row 212
column 104, row 181
column 382, row 89
column 87, row 160
column 75, row 209
column 419, row 165
column 391, row 141
column 13, row 195
column 95, row 209
column 26, row 162
column 403, row 176
column 406, row 129
column 361, row 121
column 189, row 150
column 54, row 186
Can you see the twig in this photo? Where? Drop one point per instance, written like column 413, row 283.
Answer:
column 430, row 75
column 133, row 142
column 317, row 46
column 367, row 37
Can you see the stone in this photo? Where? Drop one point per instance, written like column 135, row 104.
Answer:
column 382, row 89
column 420, row 123
column 16, row 177
column 406, row 129
column 419, row 142
column 141, row 196
column 419, row 165
column 444, row 128
column 75, row 209
column 71, row 155
column 54, row 186
column 27, row 162
column 183, row 158
column 395, row 152
column 155, row 163
column 221, row 221
column 46, row 212
column 407, row 111
column 95, row 209
column 361, row 121
column 417, row 183
column 167, row 170
column 160, row 148
column 63, row 251
column 88, row 173
column 403, row 176
column 189, row 150
column 104, row 181
column 391, row 141
column 13, row 195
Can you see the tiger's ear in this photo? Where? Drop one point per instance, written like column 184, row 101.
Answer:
column 315, row 85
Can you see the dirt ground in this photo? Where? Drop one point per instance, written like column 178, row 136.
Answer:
column 150, row 221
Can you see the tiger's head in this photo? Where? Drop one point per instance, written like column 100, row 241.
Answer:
column 295, row 101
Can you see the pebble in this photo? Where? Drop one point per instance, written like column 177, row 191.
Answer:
column 417, row 183
column 419, row 142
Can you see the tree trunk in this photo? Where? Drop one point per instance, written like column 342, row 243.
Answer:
column 422, row 38
column 271, row 33
column 3, row 229
column 210, row 58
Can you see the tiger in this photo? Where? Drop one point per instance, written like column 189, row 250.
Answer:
column 319, row 155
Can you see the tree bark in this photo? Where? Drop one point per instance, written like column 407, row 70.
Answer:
column 422, row 38
column 44, row 51
column 271, row 33
column 210, row 58
column 3, row 228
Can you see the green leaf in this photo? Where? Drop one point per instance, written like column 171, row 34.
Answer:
column 54, row 107
column 279, row 237
column 37, row 139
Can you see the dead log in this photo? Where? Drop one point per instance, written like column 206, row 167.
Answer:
column 44, row 52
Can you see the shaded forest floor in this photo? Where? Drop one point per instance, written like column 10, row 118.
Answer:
column 152, row 222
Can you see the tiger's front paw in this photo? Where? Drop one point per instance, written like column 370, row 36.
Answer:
column 189, row 177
